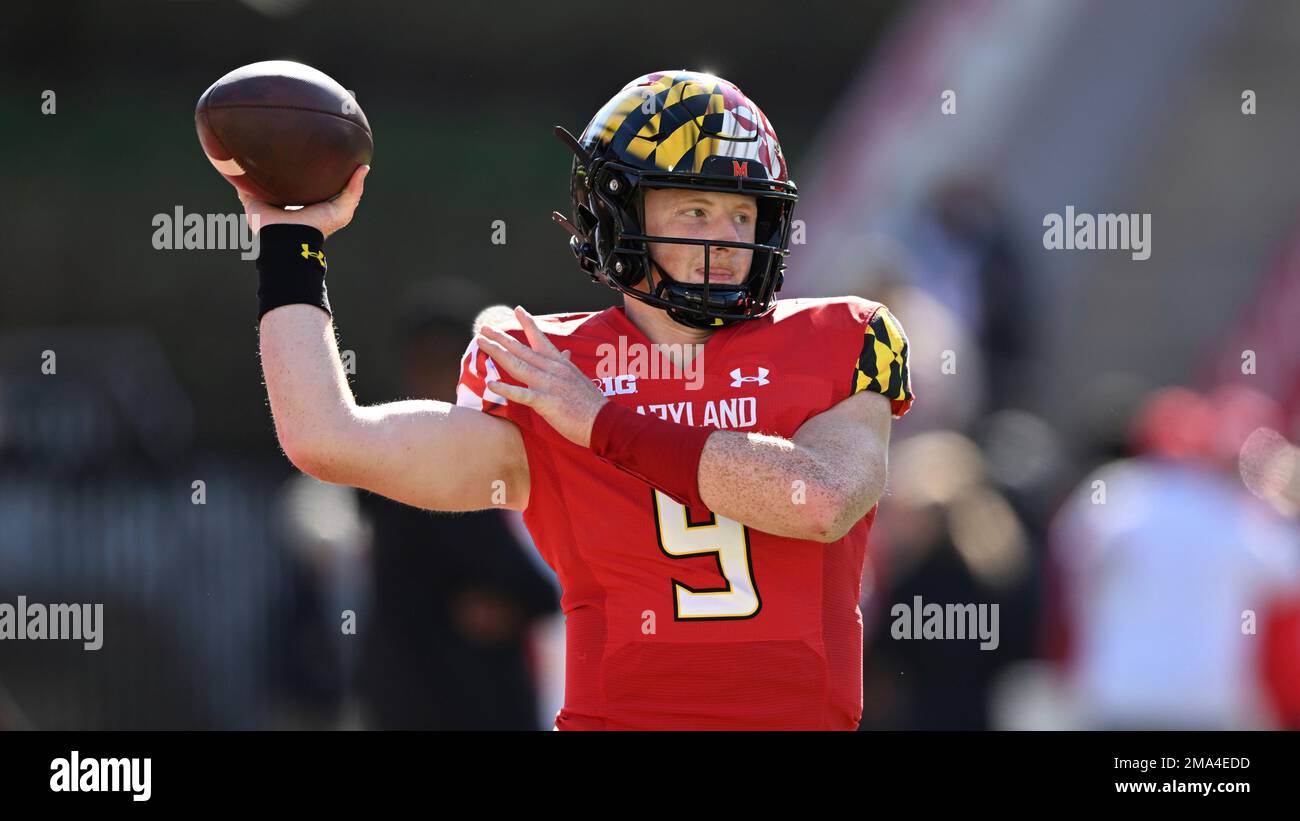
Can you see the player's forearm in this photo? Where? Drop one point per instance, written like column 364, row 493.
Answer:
column 785, row 487
column 311, row 401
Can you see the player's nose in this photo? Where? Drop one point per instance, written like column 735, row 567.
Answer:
column 719, row 257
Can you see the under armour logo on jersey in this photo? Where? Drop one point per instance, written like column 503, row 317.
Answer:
column 307, row 253
column 737, row 378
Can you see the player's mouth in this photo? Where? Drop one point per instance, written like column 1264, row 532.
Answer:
column 716, row 274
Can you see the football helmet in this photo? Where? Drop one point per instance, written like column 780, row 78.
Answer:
column 678, row 129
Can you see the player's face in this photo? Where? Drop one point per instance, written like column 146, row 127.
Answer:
column 675, row 212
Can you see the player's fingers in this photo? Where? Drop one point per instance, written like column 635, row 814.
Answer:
column 352, row 191
column 512, row 393
column 513, row 365
column 515, row 347
column 535, row 336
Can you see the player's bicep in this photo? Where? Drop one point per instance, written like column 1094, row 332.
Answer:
column 852, row 440
column 438, row 456
column 854, row 430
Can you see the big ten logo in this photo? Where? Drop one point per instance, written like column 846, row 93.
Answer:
column 615, row 385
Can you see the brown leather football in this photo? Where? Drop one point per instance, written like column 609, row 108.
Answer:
column 283, row 132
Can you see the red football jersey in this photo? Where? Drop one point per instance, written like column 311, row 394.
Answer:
column 681, row 619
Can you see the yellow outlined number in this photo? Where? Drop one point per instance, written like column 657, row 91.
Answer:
column 728, row 540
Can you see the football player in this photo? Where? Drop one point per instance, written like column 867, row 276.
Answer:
column 700, row 466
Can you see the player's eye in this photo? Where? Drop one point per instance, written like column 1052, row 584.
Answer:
column 691, row 212
column 744, row 218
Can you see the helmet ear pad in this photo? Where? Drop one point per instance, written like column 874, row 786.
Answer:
column 618, row 204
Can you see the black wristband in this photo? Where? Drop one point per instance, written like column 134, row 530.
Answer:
column 291, row 268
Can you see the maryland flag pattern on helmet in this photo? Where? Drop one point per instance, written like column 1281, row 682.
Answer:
column 676, row 120
column 882, row 365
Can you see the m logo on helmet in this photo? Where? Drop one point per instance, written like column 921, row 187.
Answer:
column 739, row 169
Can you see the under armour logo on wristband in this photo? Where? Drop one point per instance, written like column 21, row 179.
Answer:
column 307, row 253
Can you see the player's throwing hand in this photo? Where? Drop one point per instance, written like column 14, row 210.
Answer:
column 555, row 388
column 327, row 217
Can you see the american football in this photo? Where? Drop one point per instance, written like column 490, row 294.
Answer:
column 283, row 132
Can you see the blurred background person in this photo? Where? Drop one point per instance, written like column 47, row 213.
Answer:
column 456, row 597
column 968, row 261
column 950, row 537
column 326, row 596
column 953, row 372
column 1164, row 566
